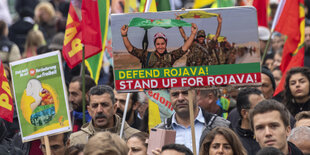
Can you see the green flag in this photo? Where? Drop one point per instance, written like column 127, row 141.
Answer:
column 163, row 5
column 224, row 3
column 164, row 23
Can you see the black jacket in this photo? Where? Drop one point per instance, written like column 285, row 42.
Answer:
column 246, row 136
column 6, row 145
column 293, row 150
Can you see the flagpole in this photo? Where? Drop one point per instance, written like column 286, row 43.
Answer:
column 146, row 9
column 83, row 83
column 47, row 145
column 267, row 47
column 147, row 5
column 124, row 115
column 191, row 97
column 274, row 23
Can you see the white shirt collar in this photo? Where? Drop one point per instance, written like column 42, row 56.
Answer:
column 199, row 118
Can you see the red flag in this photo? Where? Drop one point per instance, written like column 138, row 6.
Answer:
column 72, row 48
column 86, row 31
column 290, row 21
column 6, row 101
column 261, row 7
column 91, row 37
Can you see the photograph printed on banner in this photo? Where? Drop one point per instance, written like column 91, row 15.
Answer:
column 160, row 48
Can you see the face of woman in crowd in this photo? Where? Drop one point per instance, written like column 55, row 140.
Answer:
column 220, row 146
column 277, row 43
column 136, row 146
column 277, row 74
column 277, row 60
column 299, row 86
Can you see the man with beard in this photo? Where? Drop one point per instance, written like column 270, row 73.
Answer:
column 75, row 98
column 131, row 117
column 102, row 109
column 180, row 121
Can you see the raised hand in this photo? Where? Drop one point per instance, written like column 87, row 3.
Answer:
column 194, row 28
column 124, row 30
column 219, row 18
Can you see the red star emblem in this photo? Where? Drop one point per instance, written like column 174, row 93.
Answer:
column 197, row 16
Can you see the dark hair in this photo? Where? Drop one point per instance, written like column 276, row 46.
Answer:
column 74, row 149
column 268, row 106
column 269, row 151
column 2, row 27
column 100, row 90
column 66, row 136
column 288, row 97
column 229, row 135
column 268, row 56
column 26, row 12
column 177, row 147
column 266, row 71
column 277, row 68
column 89, row 82
column 142, row 136
column 243, row 98
column 134, row 97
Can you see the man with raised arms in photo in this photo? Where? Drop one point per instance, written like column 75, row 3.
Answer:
column 202, row 52
column 160, row 58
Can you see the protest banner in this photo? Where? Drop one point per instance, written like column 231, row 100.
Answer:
column 232, row 59
column 40, row 96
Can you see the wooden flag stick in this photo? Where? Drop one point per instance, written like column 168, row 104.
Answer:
column 191, row 117
column 47, row 145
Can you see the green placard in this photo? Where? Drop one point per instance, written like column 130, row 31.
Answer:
column 40, row 98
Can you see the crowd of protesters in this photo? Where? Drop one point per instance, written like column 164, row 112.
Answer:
column 258, row 122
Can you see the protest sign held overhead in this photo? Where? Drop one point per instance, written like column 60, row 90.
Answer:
column 40, row 96
column 196, row 48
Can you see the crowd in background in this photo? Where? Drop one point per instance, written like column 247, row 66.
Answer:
column 257, row 123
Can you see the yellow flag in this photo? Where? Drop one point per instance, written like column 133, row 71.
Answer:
column 219, row 39
column 154, row 115
column 202, row 3
column 152, row 7
column 130, row 6
column 198, row 14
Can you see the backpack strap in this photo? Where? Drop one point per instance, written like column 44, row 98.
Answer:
column 209, row 118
